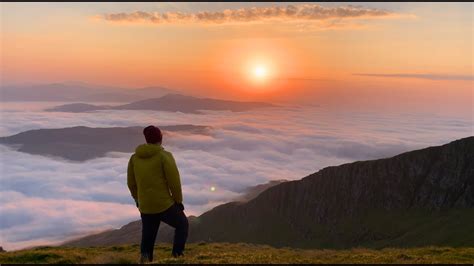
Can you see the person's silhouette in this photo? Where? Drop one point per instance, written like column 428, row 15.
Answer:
column 154, row 182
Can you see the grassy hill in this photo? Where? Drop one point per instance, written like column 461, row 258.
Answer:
column 240, row 253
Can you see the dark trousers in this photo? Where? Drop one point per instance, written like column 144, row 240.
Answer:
column 172, row 216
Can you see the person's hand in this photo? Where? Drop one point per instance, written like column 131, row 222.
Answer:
column 180, row 206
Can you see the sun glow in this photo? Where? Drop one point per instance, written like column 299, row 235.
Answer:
column 260, row 72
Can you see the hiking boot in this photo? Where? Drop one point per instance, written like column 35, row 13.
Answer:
column 177, row 254
column 144, row 259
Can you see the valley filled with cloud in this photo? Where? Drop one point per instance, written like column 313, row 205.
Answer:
column 46, row 200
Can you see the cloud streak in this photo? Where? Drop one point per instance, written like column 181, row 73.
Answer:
column 295, row 13
column 420, row 76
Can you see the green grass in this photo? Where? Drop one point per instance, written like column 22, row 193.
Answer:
column 240, row 253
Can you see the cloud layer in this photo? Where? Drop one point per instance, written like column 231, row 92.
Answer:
column 44, row 200
column 302, row 12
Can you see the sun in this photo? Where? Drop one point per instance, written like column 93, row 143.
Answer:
column 260, row 72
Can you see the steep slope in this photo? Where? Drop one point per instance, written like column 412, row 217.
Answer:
column 423, row 197
column 252, row 192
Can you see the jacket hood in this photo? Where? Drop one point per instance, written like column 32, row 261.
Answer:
column 147, row 150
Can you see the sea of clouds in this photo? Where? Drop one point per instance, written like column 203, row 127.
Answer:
column 47, row 200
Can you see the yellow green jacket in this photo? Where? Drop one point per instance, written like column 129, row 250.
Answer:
column 153, row 179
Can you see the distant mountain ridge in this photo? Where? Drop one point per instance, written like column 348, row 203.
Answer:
column 419, row 198
column 168, row 102
column 78, row 91
column 84, row 143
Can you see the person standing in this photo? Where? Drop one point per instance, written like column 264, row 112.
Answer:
column 154, row 183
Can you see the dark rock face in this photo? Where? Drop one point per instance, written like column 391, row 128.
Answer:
column 423, row 197
column 84, row 143
column 434, row 178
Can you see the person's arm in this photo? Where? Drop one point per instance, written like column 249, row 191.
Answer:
column 172, row 177
column 131, row 182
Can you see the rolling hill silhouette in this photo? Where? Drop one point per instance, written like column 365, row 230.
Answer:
column 418, row 198
column 78, row 91
column 170, row 103
column 84, row 143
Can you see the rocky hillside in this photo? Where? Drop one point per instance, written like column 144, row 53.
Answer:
column 252, row 192
column 423, row 197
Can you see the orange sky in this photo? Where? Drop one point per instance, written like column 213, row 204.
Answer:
column 306, row 59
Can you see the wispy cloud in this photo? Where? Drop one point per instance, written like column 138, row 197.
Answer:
column 303, row 12
column 419, row 76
